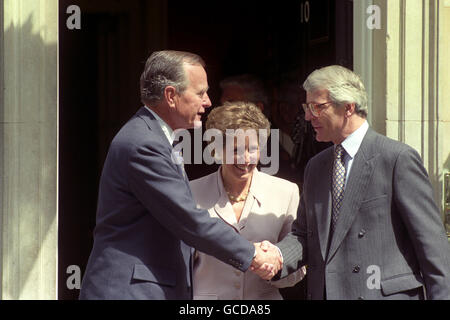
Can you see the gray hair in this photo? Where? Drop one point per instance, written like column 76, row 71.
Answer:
column 165, row 68
column 253, row 86
column 343, row 86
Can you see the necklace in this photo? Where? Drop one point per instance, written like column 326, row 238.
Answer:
column 237, row 198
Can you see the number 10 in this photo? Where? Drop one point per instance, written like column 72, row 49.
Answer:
column 304, row 12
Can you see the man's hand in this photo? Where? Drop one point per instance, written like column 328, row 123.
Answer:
column 267, row 261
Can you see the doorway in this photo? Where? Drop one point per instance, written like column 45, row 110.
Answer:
column 100, row 66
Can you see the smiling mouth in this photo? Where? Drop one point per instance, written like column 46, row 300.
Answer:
column 245, row 169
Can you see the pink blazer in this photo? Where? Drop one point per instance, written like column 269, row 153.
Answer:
column 268, row 213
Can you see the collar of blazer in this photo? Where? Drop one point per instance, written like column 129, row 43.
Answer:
column 256, row 187
column 358, row 180
column 223, row 207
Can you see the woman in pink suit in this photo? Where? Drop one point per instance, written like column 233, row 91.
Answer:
column 257, row 205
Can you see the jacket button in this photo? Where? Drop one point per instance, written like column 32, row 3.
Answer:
column 361, row 233
column 356, row 269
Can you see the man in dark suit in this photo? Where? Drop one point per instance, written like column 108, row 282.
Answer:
column 367, row 226
column 147, row 221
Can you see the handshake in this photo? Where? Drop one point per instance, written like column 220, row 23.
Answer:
column 267, row 261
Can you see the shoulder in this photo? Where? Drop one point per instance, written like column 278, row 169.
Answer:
column 205, row 190
column 321, row 157
column 137, row 134
column 272, row 183
column 277, row 195
column 204, row 182
column 388, row 147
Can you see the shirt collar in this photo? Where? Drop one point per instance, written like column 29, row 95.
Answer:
column 352, row 143
column 168, row 132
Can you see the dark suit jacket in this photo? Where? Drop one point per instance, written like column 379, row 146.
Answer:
column 147, row 222
column 388, row 225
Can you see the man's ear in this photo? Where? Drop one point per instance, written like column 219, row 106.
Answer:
column 349, row 109
column 170, row 94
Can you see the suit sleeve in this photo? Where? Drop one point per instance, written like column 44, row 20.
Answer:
column 291, row 214
column 293, row 246
column 157, row 184
column 413, row 197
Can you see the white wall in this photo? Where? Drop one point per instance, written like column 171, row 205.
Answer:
column 405, row 65
column 28, row 149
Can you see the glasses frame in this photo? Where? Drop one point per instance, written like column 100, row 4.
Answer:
column 314, row 108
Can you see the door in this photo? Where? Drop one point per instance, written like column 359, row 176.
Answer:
column 100, row 66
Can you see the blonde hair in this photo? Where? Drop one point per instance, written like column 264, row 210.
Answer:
column 238, row 115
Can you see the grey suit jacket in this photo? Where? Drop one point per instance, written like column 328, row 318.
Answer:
column 147, row 222
column 389, row 240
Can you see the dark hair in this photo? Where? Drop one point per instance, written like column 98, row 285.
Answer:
column 254, row 87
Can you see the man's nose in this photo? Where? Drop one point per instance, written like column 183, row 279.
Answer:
column 206, row 101
column 308, row 115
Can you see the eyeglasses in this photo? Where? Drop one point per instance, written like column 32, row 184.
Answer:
column 315, row 108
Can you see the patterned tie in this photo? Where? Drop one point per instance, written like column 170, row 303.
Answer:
column 338, row 184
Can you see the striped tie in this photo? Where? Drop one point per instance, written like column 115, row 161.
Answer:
column 338, row 184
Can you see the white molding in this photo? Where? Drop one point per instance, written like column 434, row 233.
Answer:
column 363, row 49
column 28, row 149
column 2, row 85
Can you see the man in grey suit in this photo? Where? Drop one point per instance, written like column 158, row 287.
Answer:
column 147, row 221
column 367, row 226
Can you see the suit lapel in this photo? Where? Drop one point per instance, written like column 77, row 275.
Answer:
column 225, row 211
column 155, row 127
column 359, row 178
column 153, row 124
column 223, row 207
column 322, row 201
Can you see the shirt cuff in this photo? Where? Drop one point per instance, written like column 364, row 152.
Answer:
column 281, row 255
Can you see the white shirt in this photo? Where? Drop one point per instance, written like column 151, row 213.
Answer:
column 168, row 132
column 351, row 146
